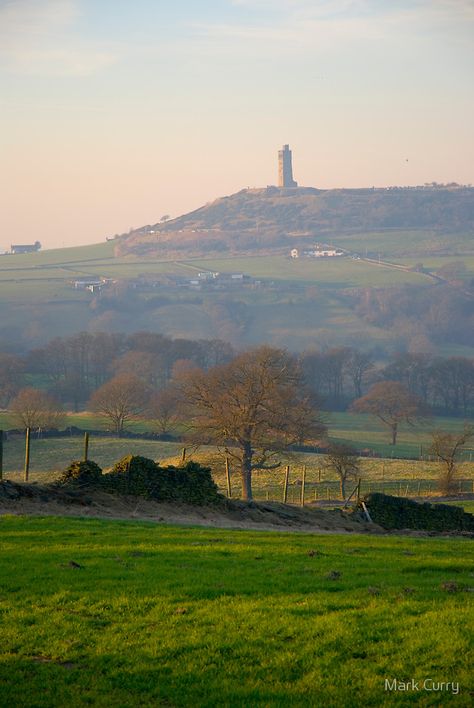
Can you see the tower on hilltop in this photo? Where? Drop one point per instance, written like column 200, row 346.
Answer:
column 285, row 168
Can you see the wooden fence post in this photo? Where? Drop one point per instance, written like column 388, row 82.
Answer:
column 285, row 488
column 303, row 483
column 1, row 455
column 227, row 476
column 86, row 447
column 27, row 455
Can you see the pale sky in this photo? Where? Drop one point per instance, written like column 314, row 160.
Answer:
column 114, row 113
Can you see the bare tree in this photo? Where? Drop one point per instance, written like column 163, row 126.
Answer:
column 121, row 400
column 447, row 447
column 164, row 409
column 11, row 374
column 253, row 408
column 33, row 408
column 392, row 404
column 344, row 460
column 358, row 366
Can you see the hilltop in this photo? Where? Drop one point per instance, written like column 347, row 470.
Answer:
column 263, row 220
column 405, row 287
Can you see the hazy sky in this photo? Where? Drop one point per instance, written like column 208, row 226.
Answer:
column 114, row 113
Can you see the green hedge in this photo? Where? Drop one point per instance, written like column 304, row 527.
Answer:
column 140, row 476
column 80, row 472
column 132, row 474
column 396, row 513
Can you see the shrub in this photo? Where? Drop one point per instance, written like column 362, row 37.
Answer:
column 396, row 513
column 133, row 474
column 141, row 476
column 191, row 483
column 82, row 472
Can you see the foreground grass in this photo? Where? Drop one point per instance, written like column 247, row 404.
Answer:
column 198, row 617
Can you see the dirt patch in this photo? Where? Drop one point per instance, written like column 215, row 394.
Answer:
column 48, row 500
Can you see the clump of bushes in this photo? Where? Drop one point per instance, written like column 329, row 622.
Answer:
column 191, row 483
column 396, row 513
column 133, row 474
column 82, row 473
column 140, row 476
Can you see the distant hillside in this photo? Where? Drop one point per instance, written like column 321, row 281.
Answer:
column 273, row 219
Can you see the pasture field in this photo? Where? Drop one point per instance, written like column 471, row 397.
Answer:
column 433, row 263
column 132, row 613
column 400, row 477
column 58, row 256
column 362, row 431
column 41, row 303
column 325, row 272
column 333, row 273
column 415, row 246
column 301, row 304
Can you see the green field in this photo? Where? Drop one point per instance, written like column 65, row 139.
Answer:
column 363, row 431
column 333, row 273
column 417, row 245
column 392, row 476
column 299, row 304
column 157, row 615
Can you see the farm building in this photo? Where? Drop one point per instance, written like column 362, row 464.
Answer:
column 317, row 252
column 25, row 248
column 93, row 286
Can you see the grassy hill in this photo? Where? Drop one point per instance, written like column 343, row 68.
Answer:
column 298, row 304
column 293, row 303
column 260, row 219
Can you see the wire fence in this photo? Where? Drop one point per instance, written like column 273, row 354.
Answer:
column 330, row 491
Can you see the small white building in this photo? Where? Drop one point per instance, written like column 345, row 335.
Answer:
column 294, row 253
column 320, row 252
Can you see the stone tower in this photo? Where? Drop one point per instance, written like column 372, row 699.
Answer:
column 285, row 169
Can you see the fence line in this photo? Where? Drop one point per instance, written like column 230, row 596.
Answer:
column 329, row 491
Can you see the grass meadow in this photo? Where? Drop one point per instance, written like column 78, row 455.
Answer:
column 334, row 273
column 390, row 471
column 135, row 614
column 361, row 430
column 42, row 302
column 401, row 477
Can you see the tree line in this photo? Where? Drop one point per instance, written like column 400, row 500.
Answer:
column 71, row 369
column 255, row 408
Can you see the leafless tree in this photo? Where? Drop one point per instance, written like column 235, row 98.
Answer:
column 392, row 404
column 253, row 409
column 35, row 409
column 447, row 447
column 164, row 409
column 358, row 366
column 344, row 460
column 11, row 374
column 122, row 399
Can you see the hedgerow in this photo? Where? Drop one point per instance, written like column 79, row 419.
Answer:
column 397, row 513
